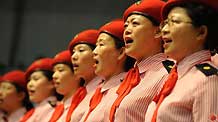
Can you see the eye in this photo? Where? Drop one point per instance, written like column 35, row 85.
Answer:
column 101, row 44
column 175, row 21
column 135, row 23
column 125, row 25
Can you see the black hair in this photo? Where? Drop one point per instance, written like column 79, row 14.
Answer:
column 204, row 15
column 92, row 46
column 152, row 19
column 129, row 62
column 25, row 102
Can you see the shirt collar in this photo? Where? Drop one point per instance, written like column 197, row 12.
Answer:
column 93, row 84
column 113, row 81
column 150, row 62
column 188, row 62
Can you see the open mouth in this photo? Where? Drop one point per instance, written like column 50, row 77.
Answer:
column 129, row 41
column 96, row 61
column 75, row 66
column 167, row 41
column 30, row 92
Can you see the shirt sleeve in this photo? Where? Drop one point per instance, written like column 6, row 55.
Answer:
column 206, row 102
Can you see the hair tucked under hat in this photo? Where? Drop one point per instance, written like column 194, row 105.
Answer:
column 148, row 8
column 87, row 36
column 41, row 64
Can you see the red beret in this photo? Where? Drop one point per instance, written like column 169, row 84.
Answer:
column 170, row 3
column 15, row 76
column 115, row 28
column 150, row 8
column 41, row 64
column 88, row 36
column 64, row 56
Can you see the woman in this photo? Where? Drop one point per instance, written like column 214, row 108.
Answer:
column 193, row 97
column 41, row 90
column 81, row 47
column 67, row 84
column 111, row 64
column 13, row 96
column 143, row 44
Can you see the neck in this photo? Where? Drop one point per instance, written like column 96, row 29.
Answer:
column 13, row 108
column 88, row 78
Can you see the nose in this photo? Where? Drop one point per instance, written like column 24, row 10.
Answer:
column 95, row 52
column 127, row 31
column 74, row 57
column 29, row 84
column 165, row 30
column 54, row 76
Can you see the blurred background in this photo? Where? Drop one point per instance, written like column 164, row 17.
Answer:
column 30, row 29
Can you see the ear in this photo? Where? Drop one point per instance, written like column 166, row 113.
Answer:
column 122, row 54
column 202, row 32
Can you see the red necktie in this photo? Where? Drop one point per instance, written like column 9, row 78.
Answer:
column 77, row 98
column 27, row 115
column 95, row 100
column 131, row 80
column 165, row 91
column 59, row 109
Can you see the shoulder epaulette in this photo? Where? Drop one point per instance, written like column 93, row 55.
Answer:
column 207, row 69
column 168, row 65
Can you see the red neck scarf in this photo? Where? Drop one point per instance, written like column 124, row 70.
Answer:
column 77, row 98
column 166, row 90
column 131, row 80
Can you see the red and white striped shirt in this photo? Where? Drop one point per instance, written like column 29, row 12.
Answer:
column 16, row 115
column 195, row 95
column 84, row 104
column 214, row 59
column 97, row 115
column 134, row 106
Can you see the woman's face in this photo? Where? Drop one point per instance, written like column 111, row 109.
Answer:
column 39, row 87
column 9, row 96
column 139, row 36
column 82, row 60
column 106, row 56
column 180, row 37
column 64, row 79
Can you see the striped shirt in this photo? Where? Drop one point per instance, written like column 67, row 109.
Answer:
column 195, row 95
column 214, row 59
column 84, row 104
column 97, row 115
column 134, row 106
column 16, row 115
column 42, row 108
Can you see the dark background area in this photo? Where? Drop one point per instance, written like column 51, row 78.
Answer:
column 30, row 29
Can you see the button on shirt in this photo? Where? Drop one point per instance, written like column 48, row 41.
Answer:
column 43, row 111
column 97, row 115
column 16, row 115
column 133, row 107
column 84, row 104
column 195, row 95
